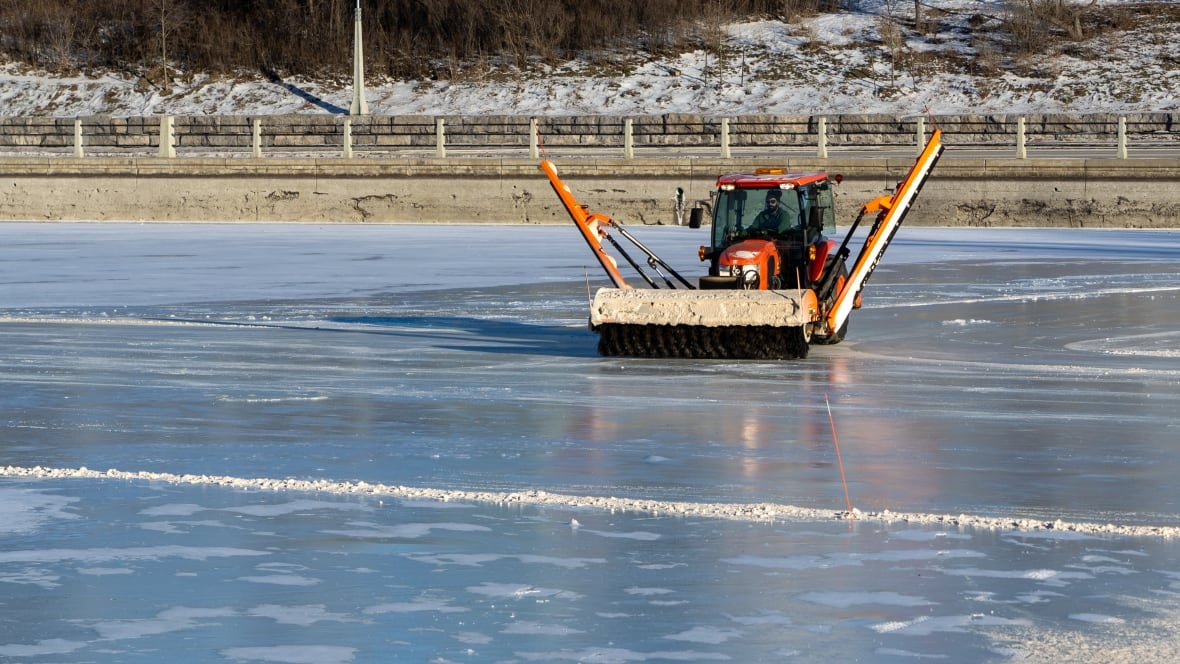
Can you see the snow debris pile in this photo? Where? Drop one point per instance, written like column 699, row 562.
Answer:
column 762, row 512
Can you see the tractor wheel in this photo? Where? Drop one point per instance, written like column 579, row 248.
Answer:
column 830, row 339
column 838, row 336
column 798, row 339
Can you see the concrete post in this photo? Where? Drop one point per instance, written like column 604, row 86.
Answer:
column 1122, row 138
column 628, row 141
column 534, row 149
column 822, row 149
column 348, row 138
column 256, row 140
column 725, row 138
column 359, row 106
column 78, row 154
column 921, row 134
column 440, row 137
column 1021, row 151
column 167, row 138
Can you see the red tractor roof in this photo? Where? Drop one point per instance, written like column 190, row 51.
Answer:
column 766, row 178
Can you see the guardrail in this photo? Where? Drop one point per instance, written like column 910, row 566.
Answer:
column 439, row 136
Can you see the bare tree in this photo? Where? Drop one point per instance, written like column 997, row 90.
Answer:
column 61, row 37
column 403, row 37
column 172, row 14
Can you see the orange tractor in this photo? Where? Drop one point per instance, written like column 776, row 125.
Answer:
column 776, row 283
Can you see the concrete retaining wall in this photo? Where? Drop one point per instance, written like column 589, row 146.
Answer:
column 1141, row 193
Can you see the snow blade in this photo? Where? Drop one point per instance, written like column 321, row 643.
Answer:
column 706, row 308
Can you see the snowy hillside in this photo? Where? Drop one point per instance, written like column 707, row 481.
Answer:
column 866, row 61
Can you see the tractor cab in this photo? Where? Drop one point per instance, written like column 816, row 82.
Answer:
column 768, row 230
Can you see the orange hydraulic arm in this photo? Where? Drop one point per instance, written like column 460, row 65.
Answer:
column 592, row 226
column 891, row 211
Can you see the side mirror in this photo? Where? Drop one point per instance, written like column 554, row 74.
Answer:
column 695, row 216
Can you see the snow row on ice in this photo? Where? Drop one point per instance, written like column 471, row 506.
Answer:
column 763, row 512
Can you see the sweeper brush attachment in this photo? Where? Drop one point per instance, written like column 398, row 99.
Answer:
column 722, row 324
column 749, row 342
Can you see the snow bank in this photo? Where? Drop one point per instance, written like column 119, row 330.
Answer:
column 829, row 64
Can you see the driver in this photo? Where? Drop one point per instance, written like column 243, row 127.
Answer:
column 770, row 219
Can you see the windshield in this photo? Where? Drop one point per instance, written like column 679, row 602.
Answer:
column 772, row 212
column 738, row 211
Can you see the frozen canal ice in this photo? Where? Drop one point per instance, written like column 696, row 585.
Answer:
column 1002, row 377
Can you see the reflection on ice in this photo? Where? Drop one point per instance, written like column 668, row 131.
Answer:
column 175, row 619
column 711, row 635
column 281, row 580
column 480, row 559
column 303, row 616
column 927, row 625
column 608, row 655
column 648, row 592
column 41, row 648
column 1159, row 344
column 172, row 509
column 108, row 554
column 1047, row 577
column 27, row 510
column 846, row 559
column 539, row 629
column 634, row 535
column 105, row 571
column 844, row 600
column 296, row 654
column 295, row 507
column 1096, row 618
column 414, row 606
column 404, row 530
column 520, row 591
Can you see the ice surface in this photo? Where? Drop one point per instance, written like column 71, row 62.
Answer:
column 330, row 450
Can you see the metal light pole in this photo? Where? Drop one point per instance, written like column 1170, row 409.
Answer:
column 359, row 105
